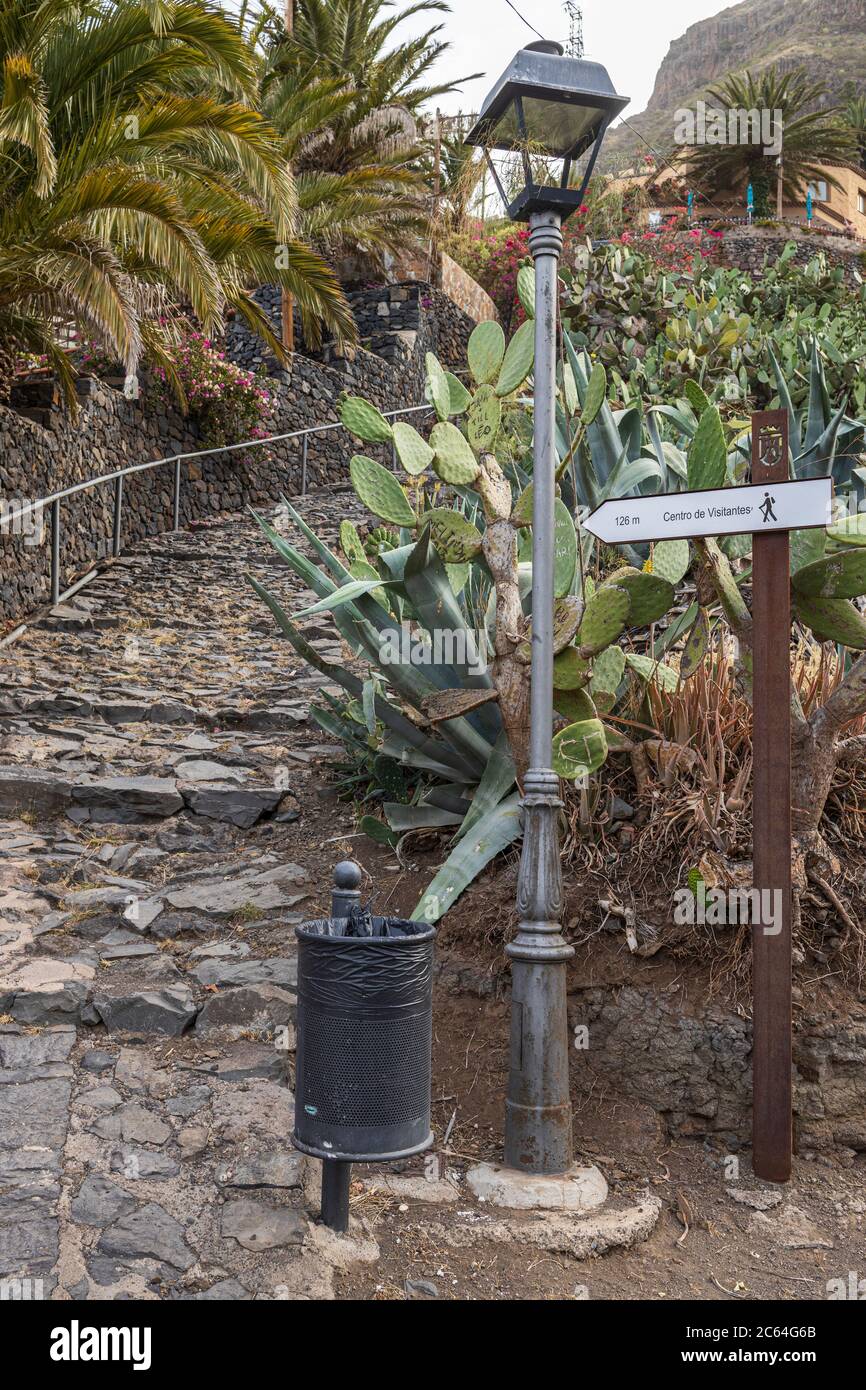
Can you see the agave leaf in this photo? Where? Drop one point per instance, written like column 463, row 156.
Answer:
column 605, row 442
column 404, row 818
column 408, row 756
column 496, row 782
column 794, row 438
column 472, row 852
column 697, row 644
column 400, row 726
column 332, row 562
column 346, row 594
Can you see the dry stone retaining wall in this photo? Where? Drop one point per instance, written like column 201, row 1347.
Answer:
column 44, row 455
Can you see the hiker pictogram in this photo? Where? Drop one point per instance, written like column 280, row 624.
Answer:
column 766, row 509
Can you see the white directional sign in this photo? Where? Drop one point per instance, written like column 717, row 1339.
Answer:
column 725, row 511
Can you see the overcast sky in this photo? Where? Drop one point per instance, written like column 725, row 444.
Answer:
column 630, row 37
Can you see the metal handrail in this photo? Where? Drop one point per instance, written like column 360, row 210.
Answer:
column 118, row 475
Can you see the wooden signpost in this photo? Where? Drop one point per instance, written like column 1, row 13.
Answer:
column 770, row 507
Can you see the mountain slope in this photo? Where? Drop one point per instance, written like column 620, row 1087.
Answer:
column 827, row 37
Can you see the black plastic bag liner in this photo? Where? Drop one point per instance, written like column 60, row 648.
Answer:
column 365, row 998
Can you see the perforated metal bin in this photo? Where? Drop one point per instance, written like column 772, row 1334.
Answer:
column 362, row 1090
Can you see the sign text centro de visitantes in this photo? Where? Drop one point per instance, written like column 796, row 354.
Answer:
column 792, row 506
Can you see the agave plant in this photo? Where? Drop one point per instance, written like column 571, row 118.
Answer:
column 459, row 722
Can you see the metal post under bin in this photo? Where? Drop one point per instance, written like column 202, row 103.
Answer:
column 365, row 1028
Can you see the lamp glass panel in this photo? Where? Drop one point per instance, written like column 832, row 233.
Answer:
column 552, row 127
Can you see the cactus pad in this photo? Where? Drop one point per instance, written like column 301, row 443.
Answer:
column 607, row 671
column 604, row 619
column 485, row 417
column 413, row 452
column 350, row 543
column 437, row 390
column 650, row 596
column 526, row 289
column 485, row 352
column 696, row 646
column 364, row 421
column 519, row 358
column 833, row 620
column 670, row 560
column 455, row 539
column 460, row 397
column 379, row 490
column 564, row 549
column 573, row 705
column 570, row 670
column 580, row 749
column 836, row 576
column 454, row 462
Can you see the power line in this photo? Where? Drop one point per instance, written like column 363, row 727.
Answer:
column 525, row 21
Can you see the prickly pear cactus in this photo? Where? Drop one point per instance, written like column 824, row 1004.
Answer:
column 480, row 545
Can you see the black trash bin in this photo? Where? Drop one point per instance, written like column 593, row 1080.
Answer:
column 365, row 1030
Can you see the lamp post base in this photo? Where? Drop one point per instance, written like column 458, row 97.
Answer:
column 581, row 1189
column 538, row 1106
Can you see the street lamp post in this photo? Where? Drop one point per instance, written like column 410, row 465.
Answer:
column 559, row 108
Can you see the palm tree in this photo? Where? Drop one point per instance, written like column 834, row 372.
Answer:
column 812, row 137
column 854, row 117
column 132, row 165
column 345, row 94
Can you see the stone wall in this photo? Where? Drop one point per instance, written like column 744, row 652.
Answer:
column 692, row 1064
column 111, row 432
column 752, row 250
column 396, row 323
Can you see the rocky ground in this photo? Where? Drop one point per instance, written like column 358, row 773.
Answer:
column 165, row 821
